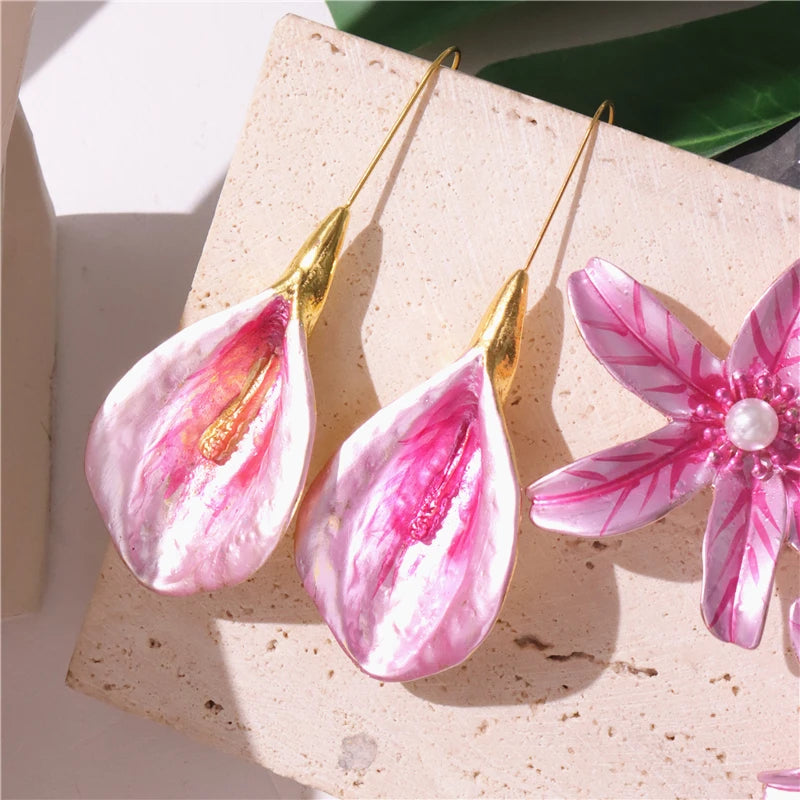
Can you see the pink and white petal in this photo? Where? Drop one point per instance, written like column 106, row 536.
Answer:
column 407, row 538
column 794, row 626
column 778, row 783
column 640, row 343
column 624, row 487
column 184, row 522
column 792, row 484
column 745, row 531
column 770, row 338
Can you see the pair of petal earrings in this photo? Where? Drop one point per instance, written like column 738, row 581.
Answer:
column 406, row 540
column 197, row 457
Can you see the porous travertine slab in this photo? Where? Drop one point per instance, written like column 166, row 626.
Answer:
column 599, row 679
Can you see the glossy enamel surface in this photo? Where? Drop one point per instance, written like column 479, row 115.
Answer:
column 407, row 538
column 198, row 454
column 741, row 544
column 778, row 783
column 752, row 459
column 625, row 486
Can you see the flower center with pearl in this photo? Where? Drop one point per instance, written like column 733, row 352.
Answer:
column 754, row 424
column 751, row 424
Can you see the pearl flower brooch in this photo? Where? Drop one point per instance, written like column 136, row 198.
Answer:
column 734, row 424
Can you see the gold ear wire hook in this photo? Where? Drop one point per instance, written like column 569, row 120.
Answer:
column 308, row 278
column 456, row 53
column 606, row 104
column 500, row 331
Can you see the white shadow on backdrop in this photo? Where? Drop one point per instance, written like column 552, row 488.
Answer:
column 123, row 284
column 64, row 20
column 123, row 280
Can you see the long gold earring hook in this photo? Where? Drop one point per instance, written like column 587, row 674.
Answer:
column 456, row 53
column 606, row 104
column 308, row 278
column 500, row 331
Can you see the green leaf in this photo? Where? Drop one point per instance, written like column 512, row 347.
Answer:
column 704, row 86
column 407, row 25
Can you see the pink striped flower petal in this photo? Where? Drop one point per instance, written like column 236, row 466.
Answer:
column 779, row 782
column 406, row 540
column 624, row 487
column 793, row 512
column 181, row 451
column 770, row 339
column 794, row 626
column 640, row 343
column 745, row 530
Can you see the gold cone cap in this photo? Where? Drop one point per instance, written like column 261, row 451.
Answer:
column 308, row 277
column 500, row 332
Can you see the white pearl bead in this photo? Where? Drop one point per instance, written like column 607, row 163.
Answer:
column 751, row 424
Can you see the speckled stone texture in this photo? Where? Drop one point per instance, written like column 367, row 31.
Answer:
column 599, row 679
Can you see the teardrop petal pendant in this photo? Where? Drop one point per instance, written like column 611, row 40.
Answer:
column 406, row 540
column 198, row 455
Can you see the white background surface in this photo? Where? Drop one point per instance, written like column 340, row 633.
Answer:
column 135, row 108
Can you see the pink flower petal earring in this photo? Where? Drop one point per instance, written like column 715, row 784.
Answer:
column 198, row 455
column 781, row 783
column 734, row 424
column 406, row 540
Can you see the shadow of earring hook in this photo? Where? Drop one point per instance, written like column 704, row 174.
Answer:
column 440, row 59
